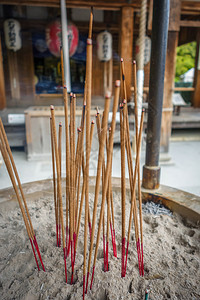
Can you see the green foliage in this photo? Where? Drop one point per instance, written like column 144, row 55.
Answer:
column 185, row 59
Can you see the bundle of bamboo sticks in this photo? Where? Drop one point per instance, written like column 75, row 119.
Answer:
column 77, row 164
column 14, row 177
column 77, row 159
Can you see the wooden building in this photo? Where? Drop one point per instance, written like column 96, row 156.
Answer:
column 31, row 76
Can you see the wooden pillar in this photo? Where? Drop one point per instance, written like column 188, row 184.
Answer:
column 174, row 27
column 2, row 82
column 126, row 45
column 196, row 97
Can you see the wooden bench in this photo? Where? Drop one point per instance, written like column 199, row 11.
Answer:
column 178, row 102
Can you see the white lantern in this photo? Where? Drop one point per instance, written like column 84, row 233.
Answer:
column 104, row 46
column 12, row 34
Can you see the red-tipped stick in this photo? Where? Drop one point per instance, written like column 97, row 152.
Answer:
column 10, row 172
column 112, row 224
column 78, row 171
column 10, row 165
column 74, row 187
column 69, row 243
column 59, row 183
column 71, row 204
column 67, row 151
column 98, row 122
column 129, row 159
column 54, row 181
column 81, row 162
column 104, row 191
column 99, row 170
column 67, row 161
column 88, row 107
column 133, row 201
column 113, row 229
column 38, row 251
column 34, row 254
column 109, row 221
column 104, row 245
column 60, row 159
column 123, row 186
column 82, row 195
column 139, row 185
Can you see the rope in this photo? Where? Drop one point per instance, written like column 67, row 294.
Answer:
column 142, row 29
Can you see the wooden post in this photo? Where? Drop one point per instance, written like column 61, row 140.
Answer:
column 174, row 26
column 2, row 83
column 196, row 97
column 168, row 93
column 126, row 46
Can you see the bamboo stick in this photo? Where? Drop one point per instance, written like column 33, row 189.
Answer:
column 73, row 137
column 78, row 170
column 5, row 140
column 123, row 188
column 98, row 122
column 6, row 156
column 108, row 224
column 59, row 184
column 71, row 205
column 60, row 159
column 123, row 79
column 54, row 181
column 81, row 205
column 139, row 185
column 130, row 168
column 134, row 185
column 67, row 153
column 112, row 225
column 98, row 176
column 74, row 165
column 115, row 105
column 130, row 164
column 88, row 107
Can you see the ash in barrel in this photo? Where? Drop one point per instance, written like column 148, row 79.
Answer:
column 155, row 209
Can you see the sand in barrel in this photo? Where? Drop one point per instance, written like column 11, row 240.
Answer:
column 171, row 258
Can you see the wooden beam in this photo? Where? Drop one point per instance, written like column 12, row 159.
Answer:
column 2, row 82
column 175, row 89
column 196, row 96
column 98, row 4
column 174, row 16
column 183, row 89
column 189, row 23
column 126, row 45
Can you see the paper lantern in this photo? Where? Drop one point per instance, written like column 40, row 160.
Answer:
column 54, row 38
column 104, row 46
column 12, row 34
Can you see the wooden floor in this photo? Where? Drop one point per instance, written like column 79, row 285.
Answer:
column 189, row 117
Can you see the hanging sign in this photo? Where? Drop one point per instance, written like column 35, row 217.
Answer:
column 147, row 50
column 54, row 38
column 12, row 34
column 104, row 46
